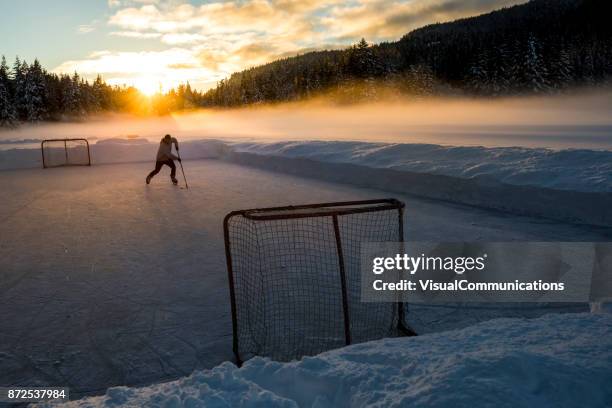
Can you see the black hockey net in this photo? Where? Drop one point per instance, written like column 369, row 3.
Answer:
column 65, row 152
column 295, row 281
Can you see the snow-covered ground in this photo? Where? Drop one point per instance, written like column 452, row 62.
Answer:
column 552, row 361
column 107, row 281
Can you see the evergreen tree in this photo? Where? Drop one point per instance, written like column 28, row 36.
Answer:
column 89, row 103
column 35, row 93
column 530, row 73
column 535, row 68
column 20, row 70
column 100, row 94
column 54, row 96
column 420, row 80
column 8, row 116
column 71, row 103
column 363, row 63
column 563, row 70
column 480, row 77
column 188, row 96
column 498, row 68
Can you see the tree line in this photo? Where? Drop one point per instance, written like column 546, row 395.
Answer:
column 30, row 94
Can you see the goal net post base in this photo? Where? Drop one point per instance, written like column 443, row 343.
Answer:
column 65, row 152
column 295, row 278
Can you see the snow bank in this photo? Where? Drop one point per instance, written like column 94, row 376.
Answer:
column 514, row 180
column 575, row 170
column 556, row 360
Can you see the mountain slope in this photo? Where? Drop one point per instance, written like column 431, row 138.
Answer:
column 539, row 46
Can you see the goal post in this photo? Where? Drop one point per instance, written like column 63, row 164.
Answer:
column 295, row 279
column 65, row 152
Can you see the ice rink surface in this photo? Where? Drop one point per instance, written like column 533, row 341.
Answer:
column 107, row 281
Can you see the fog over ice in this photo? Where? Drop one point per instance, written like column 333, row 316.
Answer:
column 566, row 121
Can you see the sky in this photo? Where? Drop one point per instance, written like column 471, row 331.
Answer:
column 158, row 44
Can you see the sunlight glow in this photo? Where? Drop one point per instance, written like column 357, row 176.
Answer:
column 148, row 85
column 145, row 70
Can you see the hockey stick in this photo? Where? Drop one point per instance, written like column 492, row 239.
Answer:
column 182, row 170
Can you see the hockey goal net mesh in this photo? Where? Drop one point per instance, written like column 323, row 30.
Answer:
column 295, row 281
column 65, row 152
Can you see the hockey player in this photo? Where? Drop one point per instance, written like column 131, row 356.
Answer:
column 165, row 156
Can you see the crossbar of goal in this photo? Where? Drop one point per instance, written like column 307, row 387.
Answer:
column 294, row 277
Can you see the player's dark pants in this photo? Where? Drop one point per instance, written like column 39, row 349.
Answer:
column 160, row 163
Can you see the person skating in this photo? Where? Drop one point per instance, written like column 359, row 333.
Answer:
column 165, row 156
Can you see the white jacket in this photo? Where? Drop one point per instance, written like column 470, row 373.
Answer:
column 165, row 150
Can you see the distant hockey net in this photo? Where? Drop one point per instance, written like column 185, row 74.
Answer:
column 294, row 277
column 65, row 152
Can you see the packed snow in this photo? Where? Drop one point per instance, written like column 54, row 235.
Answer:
column 554, row 361
column 574, row 170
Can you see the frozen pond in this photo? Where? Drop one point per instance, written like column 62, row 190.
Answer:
column 107, row 281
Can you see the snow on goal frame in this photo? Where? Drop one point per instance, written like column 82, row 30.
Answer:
column 294, row 277
column 65, row 152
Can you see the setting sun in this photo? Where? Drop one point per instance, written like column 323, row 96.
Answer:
column 148, row 86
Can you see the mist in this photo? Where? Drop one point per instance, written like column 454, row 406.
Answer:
column 568, row 121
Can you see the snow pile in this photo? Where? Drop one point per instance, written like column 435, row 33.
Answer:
column 567, row 185
column 556, row 360
column 575, row 170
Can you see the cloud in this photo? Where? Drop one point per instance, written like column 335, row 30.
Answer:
column 394, row 19
column 85, row 28
column 169, row 67
column 224, row 36
column 299, row 21
column 136, row 19
column 117, row 3
column 214, row 18
column 135, row 34
column 208, row 41
column 182, row 38
column 182, row 66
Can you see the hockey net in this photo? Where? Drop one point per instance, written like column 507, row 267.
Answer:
column 65, row 152
column 295, row 281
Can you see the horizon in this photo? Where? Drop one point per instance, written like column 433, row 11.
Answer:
column 157, row 45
